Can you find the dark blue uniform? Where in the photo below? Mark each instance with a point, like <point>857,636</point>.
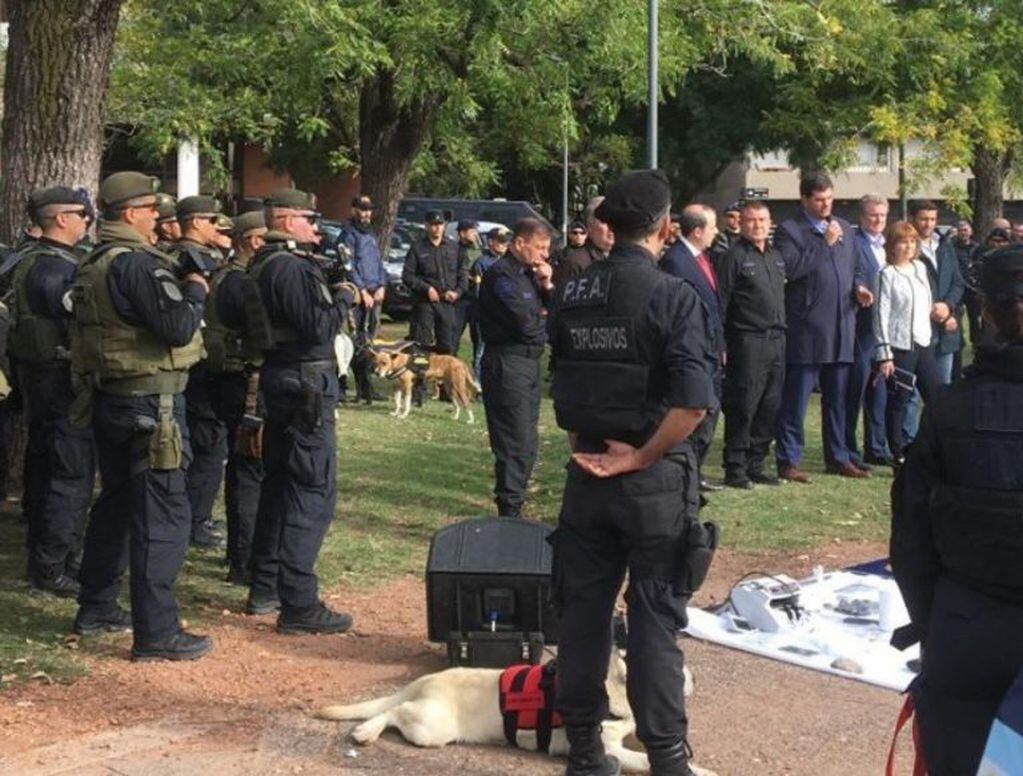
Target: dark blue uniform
<point>60,459</point>
<point>229,389</point>
<point>442,267</point>
<point>957,541</point>
<point>512,325</point>
<point>141,507</point>
<point>300,388</point>
<point>208,434</point>
<point>628,343</point>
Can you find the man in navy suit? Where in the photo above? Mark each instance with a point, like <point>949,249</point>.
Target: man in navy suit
<point>820,314</point>
<point>688,259</point>
<point>867,395</point>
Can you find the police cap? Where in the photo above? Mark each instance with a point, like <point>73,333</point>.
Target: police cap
<point>362,202</point>
<point>58,195</point>
<point>248,222</point>
<point>198,207</point>
<point>123,187</point>
<point>435,217</point>
<point>1001,274</point>
<point>735,207</point>
<point>501,234</point>
<point>223,223</point>
<point>292,199</point>
<point>465,223</point>
<point>635,201</point>
<point>577,226</point>
<point>166,207</point>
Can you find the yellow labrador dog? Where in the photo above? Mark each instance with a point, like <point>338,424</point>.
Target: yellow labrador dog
<point>461,705</point>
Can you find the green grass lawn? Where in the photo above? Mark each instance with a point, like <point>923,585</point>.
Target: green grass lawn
<point>401,480</point>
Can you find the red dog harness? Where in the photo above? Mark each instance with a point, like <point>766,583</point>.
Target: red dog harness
<point>527,702</point>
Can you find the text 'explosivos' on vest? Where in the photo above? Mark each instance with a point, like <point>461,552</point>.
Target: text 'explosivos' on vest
<point>113,355</point>
<point>601,384</point>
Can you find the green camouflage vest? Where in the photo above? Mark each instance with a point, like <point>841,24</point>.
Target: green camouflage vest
<point>109,353</point>
<point>36,339</point>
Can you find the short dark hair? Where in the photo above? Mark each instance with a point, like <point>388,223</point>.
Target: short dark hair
<point>920,205</point>
<point>528,228</point>
<point>693,217</point>
<point>813,182</point>
<point>754,204</point>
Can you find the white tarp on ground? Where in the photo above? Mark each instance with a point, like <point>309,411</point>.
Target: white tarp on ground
<point>824,634</point>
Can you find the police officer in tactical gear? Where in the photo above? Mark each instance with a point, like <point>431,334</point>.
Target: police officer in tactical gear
<point>957,503</point>
<point>168,230</point>
<point>236,334</point>
<point>198,250</point>
<point>60,463</point>
<point>631,381</point>
<point>437,276</point>
<point>511,313</point>
<point>134,337</point>
<point>300,387</point>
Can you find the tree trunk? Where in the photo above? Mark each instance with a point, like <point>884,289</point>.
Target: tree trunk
<point>58,65</point>
<point>390,138</point>
<point>989,171</point>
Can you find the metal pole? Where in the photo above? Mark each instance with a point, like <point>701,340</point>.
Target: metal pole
<point>652,92</point>
<point>564,191</point>
<point>903,193</point>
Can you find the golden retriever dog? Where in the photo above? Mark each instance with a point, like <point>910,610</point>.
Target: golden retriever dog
<point>461,705</point>
<point>442,370</point>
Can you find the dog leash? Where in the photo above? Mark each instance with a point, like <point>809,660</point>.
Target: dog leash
<point>907,713</point>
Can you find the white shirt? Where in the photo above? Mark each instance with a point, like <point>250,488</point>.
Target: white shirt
<point>929,248</point>
<point>692,248</point>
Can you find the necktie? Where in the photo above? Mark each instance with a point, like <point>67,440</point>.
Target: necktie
<point>707,270</point>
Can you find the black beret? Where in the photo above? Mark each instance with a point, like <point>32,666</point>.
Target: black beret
<point>467,224</point>
<point>735,207</point>
<point>362,203</point>
<point>435,217</point>
<point>292,199</point>
<point>57,195</point>
<point>1001,274</point>
<point>198,207</point>
<point>635,201</point>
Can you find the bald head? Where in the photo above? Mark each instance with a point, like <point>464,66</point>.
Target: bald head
<point>598,233</point>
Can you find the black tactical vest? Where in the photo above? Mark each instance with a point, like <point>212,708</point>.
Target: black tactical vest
<point>977,504</point>
<point>231,350</point>
<point>605,384</point>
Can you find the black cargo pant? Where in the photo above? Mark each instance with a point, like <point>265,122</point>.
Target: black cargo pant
<point>511,397</point>
<point>296,503</point>
<point>209,445</point>
<point>243,476</point>
<point>433,323</point>
<point>140,521</point>
<point>973,653</point>
<point>703,435</point>
<point>633,522</point>
<point>751,396</point>
<point>63,466</point>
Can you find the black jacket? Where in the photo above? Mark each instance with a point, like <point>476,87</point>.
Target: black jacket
<point>439,266</point>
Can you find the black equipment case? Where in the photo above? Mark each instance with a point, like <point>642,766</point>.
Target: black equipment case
<point>488,591</point>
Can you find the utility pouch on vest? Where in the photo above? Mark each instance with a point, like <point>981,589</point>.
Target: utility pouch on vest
<point>698,545</point>
<point>165,443</point>
<point>248,437</point>
<point>80,412</point>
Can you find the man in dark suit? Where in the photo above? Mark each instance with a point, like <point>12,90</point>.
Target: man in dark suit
<point>820,315</point>
<point>688,259</point>
<point>867,396</point>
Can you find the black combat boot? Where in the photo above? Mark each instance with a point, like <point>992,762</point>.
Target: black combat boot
<point>116,620</point>
<point>206,536</point>
<point>586,755</point>
<point>319,619</point>
<point>61,586</point>
<point>670,761</point>
<point>180,646</point>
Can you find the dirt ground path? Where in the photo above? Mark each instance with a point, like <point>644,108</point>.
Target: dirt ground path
<point>244,709</point>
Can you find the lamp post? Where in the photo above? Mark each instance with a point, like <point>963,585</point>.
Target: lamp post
<point>651,108</point>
